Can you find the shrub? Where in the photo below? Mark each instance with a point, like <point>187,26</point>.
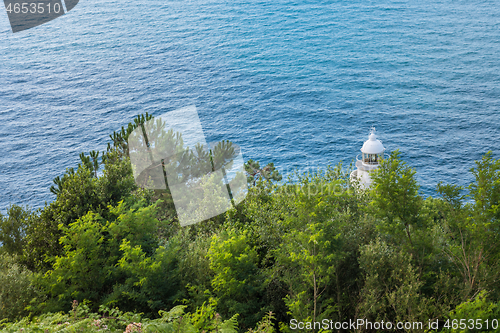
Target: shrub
<point>16,290</point>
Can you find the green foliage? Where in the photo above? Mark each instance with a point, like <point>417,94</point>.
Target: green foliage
<point>265,325</point>
<point>484,224</point>
<point>13,229</point>
<point>452,195</point>
<point>80,193</point>
<point>16,289</point>
<point>311,250</point>
<point>194,268</point>
<point>81,319</point>
<point>480,310</point>
<point>42,240</point>
<point>103,261</point>
<point>91,162</point>
<point>255,172</point>
<point>472,229</point>
<point>237,283</point>
<point>77,193</point>
<point>486,189</point>
<point>152,282</point>
<point>395,194</point>
<point>316,258</point>
<point>392,285</point>
<point>120,138</point>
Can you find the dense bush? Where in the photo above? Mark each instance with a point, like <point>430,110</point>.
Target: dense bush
<point>81,319</point>
<point>16,289</point>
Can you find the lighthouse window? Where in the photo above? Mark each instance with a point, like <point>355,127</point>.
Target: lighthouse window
<point>371,158</point>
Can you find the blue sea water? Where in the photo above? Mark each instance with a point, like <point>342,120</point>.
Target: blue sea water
<point>298,83</point>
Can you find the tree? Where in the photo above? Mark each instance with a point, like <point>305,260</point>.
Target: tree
<point>482,311</point>
<point>395,194</point>
<point>311,250</point>
<point>16,289</point>
<point>13,229</point>
<point>484,224</point>
<point>237,283</point>
<point>78,193</point>
<point>472,229</point>
<point>97,259</point>
<point>255,172</point>
<point>392,286</point>
<point>486,189</point>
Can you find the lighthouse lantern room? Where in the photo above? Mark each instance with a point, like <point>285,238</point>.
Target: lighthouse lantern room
<point>372,153</point>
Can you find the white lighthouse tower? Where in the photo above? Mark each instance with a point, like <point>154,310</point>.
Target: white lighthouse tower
<point>372,153</point>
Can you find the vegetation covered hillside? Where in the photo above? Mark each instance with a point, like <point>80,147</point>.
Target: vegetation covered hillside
<point>106,255</point>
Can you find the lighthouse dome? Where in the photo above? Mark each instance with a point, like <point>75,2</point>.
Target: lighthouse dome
<point>372,145</point>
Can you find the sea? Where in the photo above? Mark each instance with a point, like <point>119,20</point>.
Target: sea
<point>297,83</point>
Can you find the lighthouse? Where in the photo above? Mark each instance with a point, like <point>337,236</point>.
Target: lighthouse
<point>372,153</point>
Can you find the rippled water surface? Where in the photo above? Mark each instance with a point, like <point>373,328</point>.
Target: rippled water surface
<point>298,83</point>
